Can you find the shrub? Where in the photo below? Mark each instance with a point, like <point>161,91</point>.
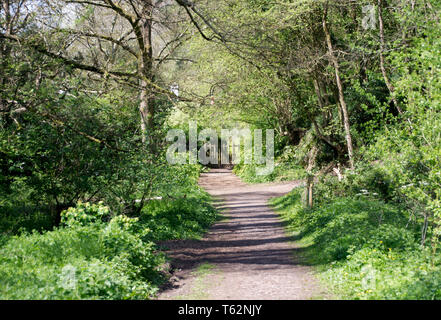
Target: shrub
<point>283,171</point>
<point>374,274</point>
<point>15,219</point>
<point>83,261</point>
<point>367,247</point>
<point>177,219</point>
<point>84,213</point>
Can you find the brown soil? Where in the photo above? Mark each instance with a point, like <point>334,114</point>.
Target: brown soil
<point>250,255</point>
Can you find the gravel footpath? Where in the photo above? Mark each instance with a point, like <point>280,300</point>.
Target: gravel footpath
<point>248,256</point>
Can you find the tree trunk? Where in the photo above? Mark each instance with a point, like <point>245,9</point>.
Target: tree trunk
<point>309,191</point>
<point>146,106</point>
<point>146,111</point>
<point>4,55</point>
<point>8,21</point>
<point>312,156</point>
<point>323,102</point>
<point>343,106</point>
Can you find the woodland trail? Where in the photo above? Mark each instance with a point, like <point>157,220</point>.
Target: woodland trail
<point>246,256</point>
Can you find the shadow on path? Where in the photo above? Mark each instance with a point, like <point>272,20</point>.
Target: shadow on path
<point>253,256</point>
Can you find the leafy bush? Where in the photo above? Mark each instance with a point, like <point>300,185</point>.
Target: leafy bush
<point>349,224</point>
<point>84,213</point>
<point>96,260</point>
<point>98,255</point>
<point>177,219</point>
<point>368,180</point>
<point>374,274</point>
<point>14,219</point>
<point>367,248</point>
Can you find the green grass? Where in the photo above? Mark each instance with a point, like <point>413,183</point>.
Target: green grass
<point>200,284</point>
<point>185,218</point>
<point>96,261</point>
<point>283,171</point>
<point>362,248</point>
<point>98,254</point>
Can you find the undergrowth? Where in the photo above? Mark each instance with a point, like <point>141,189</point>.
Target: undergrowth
<point>364,248</point>
<point>283,171</point>
<point>97,253</point>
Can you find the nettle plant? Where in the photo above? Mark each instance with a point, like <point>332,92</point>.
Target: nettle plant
<point>84,214</point>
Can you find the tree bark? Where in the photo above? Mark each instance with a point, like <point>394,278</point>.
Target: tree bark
<point>7,12</point>
<point>146,106</point>
<point>4,55</point>
<point>322,103</point>
<point>309,191</point>
<point>343,106</point>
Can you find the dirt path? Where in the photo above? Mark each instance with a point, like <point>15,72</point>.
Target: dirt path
<point>246,256</point>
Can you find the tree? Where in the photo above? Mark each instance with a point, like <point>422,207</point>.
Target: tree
<point>341,97</point>
<point>119,47</point>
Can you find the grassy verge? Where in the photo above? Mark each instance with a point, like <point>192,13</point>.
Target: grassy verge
<point>283,171</point>
<point>200,285</point>
<point>363,248</point>
<point>100,254</point>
